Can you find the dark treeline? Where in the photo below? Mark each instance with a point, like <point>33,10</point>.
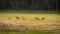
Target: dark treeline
<point>29,4</point>
<point>7,4</point>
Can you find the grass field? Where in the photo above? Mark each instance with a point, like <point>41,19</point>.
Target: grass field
<point>49,25</point>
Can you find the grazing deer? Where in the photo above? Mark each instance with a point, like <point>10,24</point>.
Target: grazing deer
<point>23,18</point>
<point>43,18</point>
<point>37,18</point>
<point>17,17</point>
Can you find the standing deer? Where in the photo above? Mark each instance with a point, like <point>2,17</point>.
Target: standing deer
<point>9,18</point>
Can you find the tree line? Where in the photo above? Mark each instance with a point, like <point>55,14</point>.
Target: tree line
<point>28,4</point>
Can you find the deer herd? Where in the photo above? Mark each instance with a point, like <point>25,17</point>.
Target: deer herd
<point>36,18</point>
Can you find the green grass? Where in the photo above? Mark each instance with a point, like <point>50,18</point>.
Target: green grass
<point>26,32</point>
<point>36,32</point>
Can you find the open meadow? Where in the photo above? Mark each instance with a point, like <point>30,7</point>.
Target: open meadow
<point>19,23</point>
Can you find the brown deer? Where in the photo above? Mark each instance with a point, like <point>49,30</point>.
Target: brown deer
<point>37,18</point>
<point>43,18</point>
<point>23,18</point>
<point>17,17</point>
<point>9,18</point>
